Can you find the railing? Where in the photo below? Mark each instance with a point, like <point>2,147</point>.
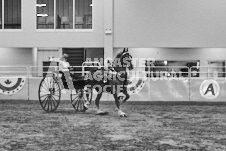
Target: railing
<point>188,88</point>
<point>14,71</point>
<point>37,71</point>
<point>168,72</point>
<point>148,71</point>
<point>208,72</point>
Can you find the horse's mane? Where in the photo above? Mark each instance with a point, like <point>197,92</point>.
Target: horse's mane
<point>119,53</point>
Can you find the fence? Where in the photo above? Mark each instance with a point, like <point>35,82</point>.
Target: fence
<point>159,83</point>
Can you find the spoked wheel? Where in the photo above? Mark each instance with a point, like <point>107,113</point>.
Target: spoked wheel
<point>49,94</point>
<point>81,99</point>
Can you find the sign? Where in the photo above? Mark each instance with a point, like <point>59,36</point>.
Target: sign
<point>209,89</point>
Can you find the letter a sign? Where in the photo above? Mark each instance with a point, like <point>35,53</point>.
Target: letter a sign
<point>209,89</point>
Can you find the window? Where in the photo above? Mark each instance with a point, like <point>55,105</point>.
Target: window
<point>0,14</point>
<point>45,14</point>
<point>11,14</point>
<point>216,69</point>
<point>64,14</point>
<point>83,14</point>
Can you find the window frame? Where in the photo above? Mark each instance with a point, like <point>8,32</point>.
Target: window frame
<point>66,30</point>
<point>3,19</point>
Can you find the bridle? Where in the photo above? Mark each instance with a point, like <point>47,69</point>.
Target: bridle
<point>122,56</point>
<point>112,67</point>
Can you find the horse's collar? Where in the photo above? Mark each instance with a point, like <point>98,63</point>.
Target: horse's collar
<point>113,72</point>
<point>116,72</point>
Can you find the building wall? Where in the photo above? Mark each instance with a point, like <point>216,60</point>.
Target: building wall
<point>43,55</point>
<point>95,53</point>
<point>141,24</point>
<point>30,37</point>
<point>147,24</point>
<point>183,54</point>
<point>16,57</point>
<point>169,23</point>
<point>178,54</point>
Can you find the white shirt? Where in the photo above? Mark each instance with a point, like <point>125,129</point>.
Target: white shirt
<point>64,65</point>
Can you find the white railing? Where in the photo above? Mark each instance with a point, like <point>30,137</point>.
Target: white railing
<point>208,72</point>
<point>152,71</point>
<point>168,71</point>
<point>14,71</point>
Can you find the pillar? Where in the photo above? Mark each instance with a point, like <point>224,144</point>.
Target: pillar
<point>108,28</point>
<point>35,61</point>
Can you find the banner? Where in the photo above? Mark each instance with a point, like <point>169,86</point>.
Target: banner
<point>10,86</point>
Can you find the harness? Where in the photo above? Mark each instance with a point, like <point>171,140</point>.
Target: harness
<point>112,71</point>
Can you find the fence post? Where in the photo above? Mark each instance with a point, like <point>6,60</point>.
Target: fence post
<point>28,81</point>
<point>149,82</point>
<point>189,83</point>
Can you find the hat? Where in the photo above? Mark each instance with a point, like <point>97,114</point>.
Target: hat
<point>65,55</point>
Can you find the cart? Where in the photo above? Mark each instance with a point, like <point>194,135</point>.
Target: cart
<point>50,90</point>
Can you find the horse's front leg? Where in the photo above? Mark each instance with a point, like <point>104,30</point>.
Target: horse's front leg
<point>120,113</point>
<point>97,102</point>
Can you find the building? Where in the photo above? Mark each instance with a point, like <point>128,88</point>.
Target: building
<point>179,30</point>
<point>173,32</point>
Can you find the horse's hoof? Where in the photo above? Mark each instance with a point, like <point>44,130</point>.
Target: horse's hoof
<point>102,113</point>
<point>124,115</point>
<point>85,108</point>
<point>86,105</point>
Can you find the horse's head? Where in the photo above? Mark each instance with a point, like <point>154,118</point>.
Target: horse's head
<point>124,59</point>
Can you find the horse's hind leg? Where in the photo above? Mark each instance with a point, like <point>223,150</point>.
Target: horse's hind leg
<point>121,114</point>
<point>126,94</point>
<point>97,100</point>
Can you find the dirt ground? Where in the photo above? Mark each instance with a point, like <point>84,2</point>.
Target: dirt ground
<point>149,126</point>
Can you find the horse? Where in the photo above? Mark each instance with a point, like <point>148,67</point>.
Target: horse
<point>114,80</point>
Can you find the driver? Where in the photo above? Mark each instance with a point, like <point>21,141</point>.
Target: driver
<point>64,69</point>
<point>64,65</point>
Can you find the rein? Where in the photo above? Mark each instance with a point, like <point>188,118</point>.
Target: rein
<point>112,68</point>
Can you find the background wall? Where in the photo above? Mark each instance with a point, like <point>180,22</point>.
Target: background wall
<point>169,23</point>
<point>137,24</point>
<point>95,53</point>
<point>16,57</point>
<point>203,55</point>
<point>44,54</point>
<point>30,37</point>
<point>180,54</point>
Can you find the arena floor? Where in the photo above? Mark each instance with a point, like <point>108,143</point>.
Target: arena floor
<point>149,126</point>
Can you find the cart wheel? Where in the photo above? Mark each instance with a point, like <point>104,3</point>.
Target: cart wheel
<point>49,94</point>
<point>79,98</point>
